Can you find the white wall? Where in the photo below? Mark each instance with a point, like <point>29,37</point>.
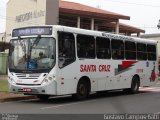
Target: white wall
<point>21,13</point>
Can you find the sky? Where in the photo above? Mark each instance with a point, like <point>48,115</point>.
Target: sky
<point>144,14</point>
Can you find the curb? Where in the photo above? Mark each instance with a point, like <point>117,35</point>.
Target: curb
<point>16,97</point>
<point>3,77</point>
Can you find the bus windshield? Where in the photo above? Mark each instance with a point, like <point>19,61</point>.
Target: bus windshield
<point>32,53</point>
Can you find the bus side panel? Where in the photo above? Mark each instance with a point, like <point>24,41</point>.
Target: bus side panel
<point>150,75</point>
<point>67,79</point>
<point>106,76</point>
<point>88,68</point>
<point>118,78</point>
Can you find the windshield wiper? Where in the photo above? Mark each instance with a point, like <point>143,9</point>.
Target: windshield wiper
<point>21,44</point>
<point>36,41</point>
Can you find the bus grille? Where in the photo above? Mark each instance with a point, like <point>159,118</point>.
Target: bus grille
<point>27,76</point>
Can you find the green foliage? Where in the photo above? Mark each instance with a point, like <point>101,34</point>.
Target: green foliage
<point>3,86</point>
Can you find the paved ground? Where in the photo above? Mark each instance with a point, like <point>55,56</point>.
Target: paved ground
<point>147,101</point>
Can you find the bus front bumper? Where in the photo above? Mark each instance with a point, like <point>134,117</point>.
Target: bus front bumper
<point>48,89</point>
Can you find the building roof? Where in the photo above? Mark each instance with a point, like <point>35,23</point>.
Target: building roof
<point>131,28</point>
<point>77,8</point>
<point>124,27</point>
<point>87,11</point>
<point>104,17</point>
<point>155,35</point>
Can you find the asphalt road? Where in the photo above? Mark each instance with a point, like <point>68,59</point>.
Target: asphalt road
<point>146,101</point>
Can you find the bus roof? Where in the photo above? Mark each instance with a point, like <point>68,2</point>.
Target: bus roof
<point>103,34</point>
<point>94,33</point>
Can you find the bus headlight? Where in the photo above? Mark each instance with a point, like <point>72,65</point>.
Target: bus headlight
<point>50,78</point>
<point>12,81</point>
<point>47,80</point>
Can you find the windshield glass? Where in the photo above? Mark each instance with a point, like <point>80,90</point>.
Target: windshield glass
<point>32,53</point>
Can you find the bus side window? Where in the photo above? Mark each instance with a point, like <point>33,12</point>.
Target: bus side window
<point>130,50</point>
<point>117,49</point>
<point>85,46</point>
<point>151,51</point>
<point>141,51</point>
<point>103,48</point>
<point>66,49</point>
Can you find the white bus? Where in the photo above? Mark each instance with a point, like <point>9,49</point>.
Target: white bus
<point>59,60</point>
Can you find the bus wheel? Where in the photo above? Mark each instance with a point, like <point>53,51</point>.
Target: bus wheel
<point>43,97</point>
<point>82,90</point>
<point>135,85</point>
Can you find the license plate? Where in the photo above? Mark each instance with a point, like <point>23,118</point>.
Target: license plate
<point>27,89</point>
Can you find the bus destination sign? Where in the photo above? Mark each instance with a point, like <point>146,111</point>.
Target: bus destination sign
<point>32,31</point>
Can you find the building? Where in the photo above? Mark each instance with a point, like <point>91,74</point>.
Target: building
<point>22,13</point>
<point>41,12</point>
<point>49,12</point>
<point>82,16</point>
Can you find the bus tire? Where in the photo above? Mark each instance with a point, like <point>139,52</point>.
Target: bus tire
<point>43,97</point>
<point>82,90</point>
<point>135,85</point>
